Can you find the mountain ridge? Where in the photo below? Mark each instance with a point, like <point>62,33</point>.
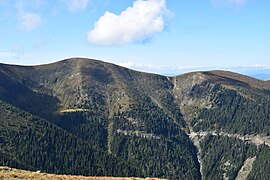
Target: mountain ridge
<point>120,115</point>
<point>211,73</point>
<point>76,59</point>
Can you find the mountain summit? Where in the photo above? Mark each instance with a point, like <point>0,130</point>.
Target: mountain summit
<point>87,117</point>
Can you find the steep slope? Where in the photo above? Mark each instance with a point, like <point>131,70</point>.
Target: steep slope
<point>110,109</point>
<point>225,101</point>
<point>227,106</point>
<point>128,123</point>
<point>33,143</point>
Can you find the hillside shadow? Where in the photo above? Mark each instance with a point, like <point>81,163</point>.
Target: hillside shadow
<point>22,97</point>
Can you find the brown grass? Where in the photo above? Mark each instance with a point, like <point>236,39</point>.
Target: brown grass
<point>7,173</point>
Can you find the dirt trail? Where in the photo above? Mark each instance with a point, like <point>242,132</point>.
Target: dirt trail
<point>255,139</point>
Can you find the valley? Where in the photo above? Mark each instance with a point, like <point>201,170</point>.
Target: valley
<point>87,117</point>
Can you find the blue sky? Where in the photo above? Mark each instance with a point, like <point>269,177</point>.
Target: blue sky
<point>162,36</point>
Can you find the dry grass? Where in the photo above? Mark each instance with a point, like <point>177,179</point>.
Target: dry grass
<point>7,173</point>
<point>235,79</point>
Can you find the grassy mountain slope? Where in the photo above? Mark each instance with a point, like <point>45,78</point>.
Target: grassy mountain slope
<point>104,119</point>
<point>229,104</point>
<point>224,101</point>
<point>106,108</point>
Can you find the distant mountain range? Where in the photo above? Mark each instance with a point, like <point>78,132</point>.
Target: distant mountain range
<point>88,117</point>
<point>261,76</point>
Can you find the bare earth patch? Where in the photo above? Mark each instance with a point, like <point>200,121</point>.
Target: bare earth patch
<point>246,168</point>
<point>74,110</point>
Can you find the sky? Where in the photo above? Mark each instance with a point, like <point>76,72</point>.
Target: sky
<point>161,36</point>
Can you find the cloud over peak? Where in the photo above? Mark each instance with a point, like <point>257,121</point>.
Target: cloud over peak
<point>135,24</point>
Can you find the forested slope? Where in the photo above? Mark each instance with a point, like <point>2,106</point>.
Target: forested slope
<point>81,116</point>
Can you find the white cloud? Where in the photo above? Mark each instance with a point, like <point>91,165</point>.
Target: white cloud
<point>128,64</point>
<point>165,70</point>
<point>75,5</point>
<point>135,24</point>
<point>176,70</point>
<point>29,21</point>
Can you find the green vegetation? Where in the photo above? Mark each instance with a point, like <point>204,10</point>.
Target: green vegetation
<point>71,151</point>
<point>241,111</point>
<point>87,117</point>
<point>146,134</point>
<point>223,156</point>
<point>261,165</point>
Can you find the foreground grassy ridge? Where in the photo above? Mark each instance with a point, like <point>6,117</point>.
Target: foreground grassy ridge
<point>11,173</point>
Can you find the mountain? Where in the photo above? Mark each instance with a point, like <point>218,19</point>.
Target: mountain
<point>87,117</point>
